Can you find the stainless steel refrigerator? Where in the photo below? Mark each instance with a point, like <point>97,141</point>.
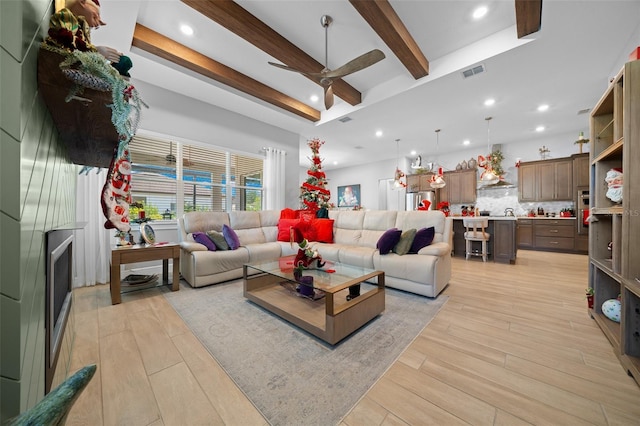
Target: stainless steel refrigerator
<point>414,199</point>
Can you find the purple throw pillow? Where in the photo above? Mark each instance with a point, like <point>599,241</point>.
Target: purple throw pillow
<point>388,240</point>
<point>202,238</point>
<point>423,238</point>
<point>231,237</point>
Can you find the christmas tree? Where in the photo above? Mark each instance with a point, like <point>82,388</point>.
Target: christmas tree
<point>313,194</point>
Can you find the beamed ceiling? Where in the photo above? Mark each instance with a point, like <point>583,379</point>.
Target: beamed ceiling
<point>532,52</point>
<point>379,14</point>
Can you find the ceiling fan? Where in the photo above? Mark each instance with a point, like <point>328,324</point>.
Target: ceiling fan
<point>326,77</point>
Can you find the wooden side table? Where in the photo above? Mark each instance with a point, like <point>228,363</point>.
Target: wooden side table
<point>144,253</point>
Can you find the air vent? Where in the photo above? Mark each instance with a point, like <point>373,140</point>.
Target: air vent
<point>584,111</point>
<point>344,119</point>
<point>358,147</point>
<point>470,72</point>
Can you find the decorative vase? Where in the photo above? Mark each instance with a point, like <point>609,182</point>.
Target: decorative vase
<point>305,286</point>
<point>354,291</point>
<point>590,301</point>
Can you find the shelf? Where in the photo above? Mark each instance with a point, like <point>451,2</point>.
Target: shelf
<point>614,210</point>
<point>614,151</point>
<point>614,249</point>
<point>607,131</point>
<point>606,265</point>
<point>610,329</point>
<point>84,123</point>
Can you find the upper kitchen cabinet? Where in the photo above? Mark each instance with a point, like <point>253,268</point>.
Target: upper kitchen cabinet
<point>546,180</point>
<point>461,187</point>
<point>418,183</point>
<point>581,170</point>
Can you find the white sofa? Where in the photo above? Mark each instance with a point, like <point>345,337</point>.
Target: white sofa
<point>355,236</point>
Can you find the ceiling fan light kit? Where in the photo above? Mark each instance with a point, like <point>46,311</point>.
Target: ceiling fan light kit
<point>326,77</point>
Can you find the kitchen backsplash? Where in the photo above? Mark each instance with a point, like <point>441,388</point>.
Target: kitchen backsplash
<point>498,199</point>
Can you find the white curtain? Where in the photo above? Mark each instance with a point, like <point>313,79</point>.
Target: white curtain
<point>92,245</point>
<point>274,183</point>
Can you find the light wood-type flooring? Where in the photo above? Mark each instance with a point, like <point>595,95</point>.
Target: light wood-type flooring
<point>514,345</point>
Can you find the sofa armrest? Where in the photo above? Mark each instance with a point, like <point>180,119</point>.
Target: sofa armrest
<point>436,249</point>
<point>192,246</point>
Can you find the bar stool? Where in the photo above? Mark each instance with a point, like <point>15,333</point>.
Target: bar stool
<point>475,231</point>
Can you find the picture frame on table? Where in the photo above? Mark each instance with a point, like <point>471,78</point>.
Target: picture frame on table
<point>147,233</point>
<point>349,196</point>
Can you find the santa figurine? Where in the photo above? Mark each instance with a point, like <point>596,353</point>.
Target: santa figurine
<point>614,182</point>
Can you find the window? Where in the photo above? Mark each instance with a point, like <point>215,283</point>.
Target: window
<point>207,179</point>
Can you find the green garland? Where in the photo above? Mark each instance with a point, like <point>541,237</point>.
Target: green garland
<point>495,160</point>
<point>127,104</point>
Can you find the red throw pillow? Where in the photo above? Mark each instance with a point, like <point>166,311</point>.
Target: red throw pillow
<point>284,227</point>
<point>306,215</point>
<point>324,230</point>
<point>288,214</point>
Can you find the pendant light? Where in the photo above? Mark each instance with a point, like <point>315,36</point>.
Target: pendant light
<point>437,180</point>
<point>488,177</point>
<point>398,175</point>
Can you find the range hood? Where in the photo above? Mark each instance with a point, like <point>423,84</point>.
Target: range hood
<point>499,185</point>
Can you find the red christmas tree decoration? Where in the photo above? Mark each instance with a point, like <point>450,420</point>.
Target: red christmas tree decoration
<point>314,194</point>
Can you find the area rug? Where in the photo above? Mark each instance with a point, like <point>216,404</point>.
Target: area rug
<point>292,377</point>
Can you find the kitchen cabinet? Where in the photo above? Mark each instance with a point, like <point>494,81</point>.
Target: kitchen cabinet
<point>554,234</point>
<point>421,182</point>
<point>525,233</point>
<point>546,180</point>
<point>502,245</point>
<point>614,246</point>
<point>581,170</point>
<point>547,234</point>
<point>461,187</point>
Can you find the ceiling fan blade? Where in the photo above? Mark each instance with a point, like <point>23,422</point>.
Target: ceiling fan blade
<point>357,64</point>
<point>284,67</point>
<point>328,97</point>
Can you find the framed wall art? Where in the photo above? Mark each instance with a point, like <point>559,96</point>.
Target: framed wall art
<point>349,196</point>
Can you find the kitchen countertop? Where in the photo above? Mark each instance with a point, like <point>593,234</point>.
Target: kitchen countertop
<point>515,217</point>
<point>545,217</point>
<point>488,217</point>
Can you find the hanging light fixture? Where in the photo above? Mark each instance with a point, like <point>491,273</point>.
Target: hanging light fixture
<point>398,183</point>
<point>437,180</point>
<point>489,176</point>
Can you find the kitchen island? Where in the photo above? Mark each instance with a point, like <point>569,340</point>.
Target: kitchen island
<point>502,246</point>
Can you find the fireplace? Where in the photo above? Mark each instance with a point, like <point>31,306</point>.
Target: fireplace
<point>59,280</point>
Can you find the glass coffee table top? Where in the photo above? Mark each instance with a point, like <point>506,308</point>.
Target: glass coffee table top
<point>331,275</point>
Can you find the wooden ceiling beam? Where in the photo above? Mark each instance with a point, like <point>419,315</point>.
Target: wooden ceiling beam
<point>384,20</point>
<point>159,45</point>
<point>528,17</point>
<point>236,19</point>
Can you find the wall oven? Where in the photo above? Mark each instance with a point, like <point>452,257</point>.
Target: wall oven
<point>582,213</point>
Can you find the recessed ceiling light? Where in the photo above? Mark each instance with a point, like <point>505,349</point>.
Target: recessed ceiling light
<point>480,12</point>
<point>335,163</point>
<point>489,102</point>
<point>540,129</point>
<point>413,152</point>
<point>543,107</point>
<point>466,142</point>
<point>378,133</point>
<point>314,98</point>
<point>186,30</point>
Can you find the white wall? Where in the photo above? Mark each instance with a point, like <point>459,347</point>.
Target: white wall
<point>369,175</point>
<point>182,118</point>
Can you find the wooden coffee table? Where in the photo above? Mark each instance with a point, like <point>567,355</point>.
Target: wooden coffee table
<point>144,253</point>
<point>331,318</point>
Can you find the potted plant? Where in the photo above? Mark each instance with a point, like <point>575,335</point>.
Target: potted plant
<point>589,294</point>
